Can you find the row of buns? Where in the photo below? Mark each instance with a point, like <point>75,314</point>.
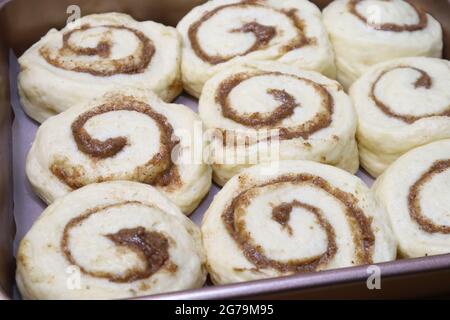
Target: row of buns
<point>122,239</point>
<point>117,162</point>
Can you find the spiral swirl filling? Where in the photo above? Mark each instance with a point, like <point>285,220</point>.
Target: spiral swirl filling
<point>151,247</point>
<point>362,234</point>
<point>415,210</point>
<point>103,66</point>
<point>389,26</point>
<point>263,34</point>
<point>158,170</point>
<point>423,81</point>
<point>272,120</point>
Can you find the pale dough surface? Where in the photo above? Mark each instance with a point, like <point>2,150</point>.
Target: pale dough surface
<point>383,137</point>
<point>55,143</point>
<point>217,36</point>
<point>43,271</point>
<point>393,190</point>
<point>358,45</point>
<point>333,144</point>
<point>46,89</point>
<point>307,239</point>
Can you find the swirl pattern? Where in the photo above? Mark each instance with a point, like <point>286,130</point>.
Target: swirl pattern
<point>123,135</point>
<point>299,111</point>
<point>367,32</point>
<point>423,81</point>
<point>283,111</point>
<point>263,34</point>
<point>224,33</point>
<point>362,232</point>
<point>111,240</point>
<point>401,104</point>
<point>389,26</point>
<point>152,247</point>
<point>314,223</point>
<point>152,170</point>
<point>137,62</point>
<point>94,54</point>
<point>415,210</point>
<point>414,190</point>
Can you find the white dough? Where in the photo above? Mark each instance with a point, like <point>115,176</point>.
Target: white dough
<point>49,88</point>
<point>401,104</point>
<point>312,198</point>
<point>415,192</point>
<point>359,44</point>
<point>323,121</point>
<point>57,162</point>
<point>79,225</point>
<point>230,29</point>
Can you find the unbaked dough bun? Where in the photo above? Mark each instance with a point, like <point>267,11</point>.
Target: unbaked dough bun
<point>415,191</point>
<point>401,104</point>
<point>222,33</point>
<point>94,53</point>
<point>123,135</point>
<point>310,116</point>
<point>291,217</point>
<point>366,32</point>
<point>110,240</point>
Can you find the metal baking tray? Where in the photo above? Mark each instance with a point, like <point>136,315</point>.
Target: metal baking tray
<point>23,22</point>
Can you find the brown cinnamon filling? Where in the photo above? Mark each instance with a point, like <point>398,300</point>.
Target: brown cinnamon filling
<point>424,81</point>
<point>281,214</point>
<point>263,34</point>
<point>360,225</point>
<point>158,170</point>
<point>101,67</point>
<point>169,179</point>
<point>260,120</point>
<point>151,247</point>
<point>389,26</point>
<point>415,210</point>
<point>300,39</point>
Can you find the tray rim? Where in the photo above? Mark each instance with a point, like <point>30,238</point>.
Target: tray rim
<point>402,267</point>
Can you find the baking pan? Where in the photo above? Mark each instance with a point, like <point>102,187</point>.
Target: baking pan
<point>23,22</point>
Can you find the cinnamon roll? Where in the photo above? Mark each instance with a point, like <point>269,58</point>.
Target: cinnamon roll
<point>367,32</point>
<point>92,55</point>
<point>110,240</point>
<point>122,135</point>
<point>267,111</point>
<point>401,104</point>
<point>222,33</point>
<point>415,192</point>
<point>299,217</point>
